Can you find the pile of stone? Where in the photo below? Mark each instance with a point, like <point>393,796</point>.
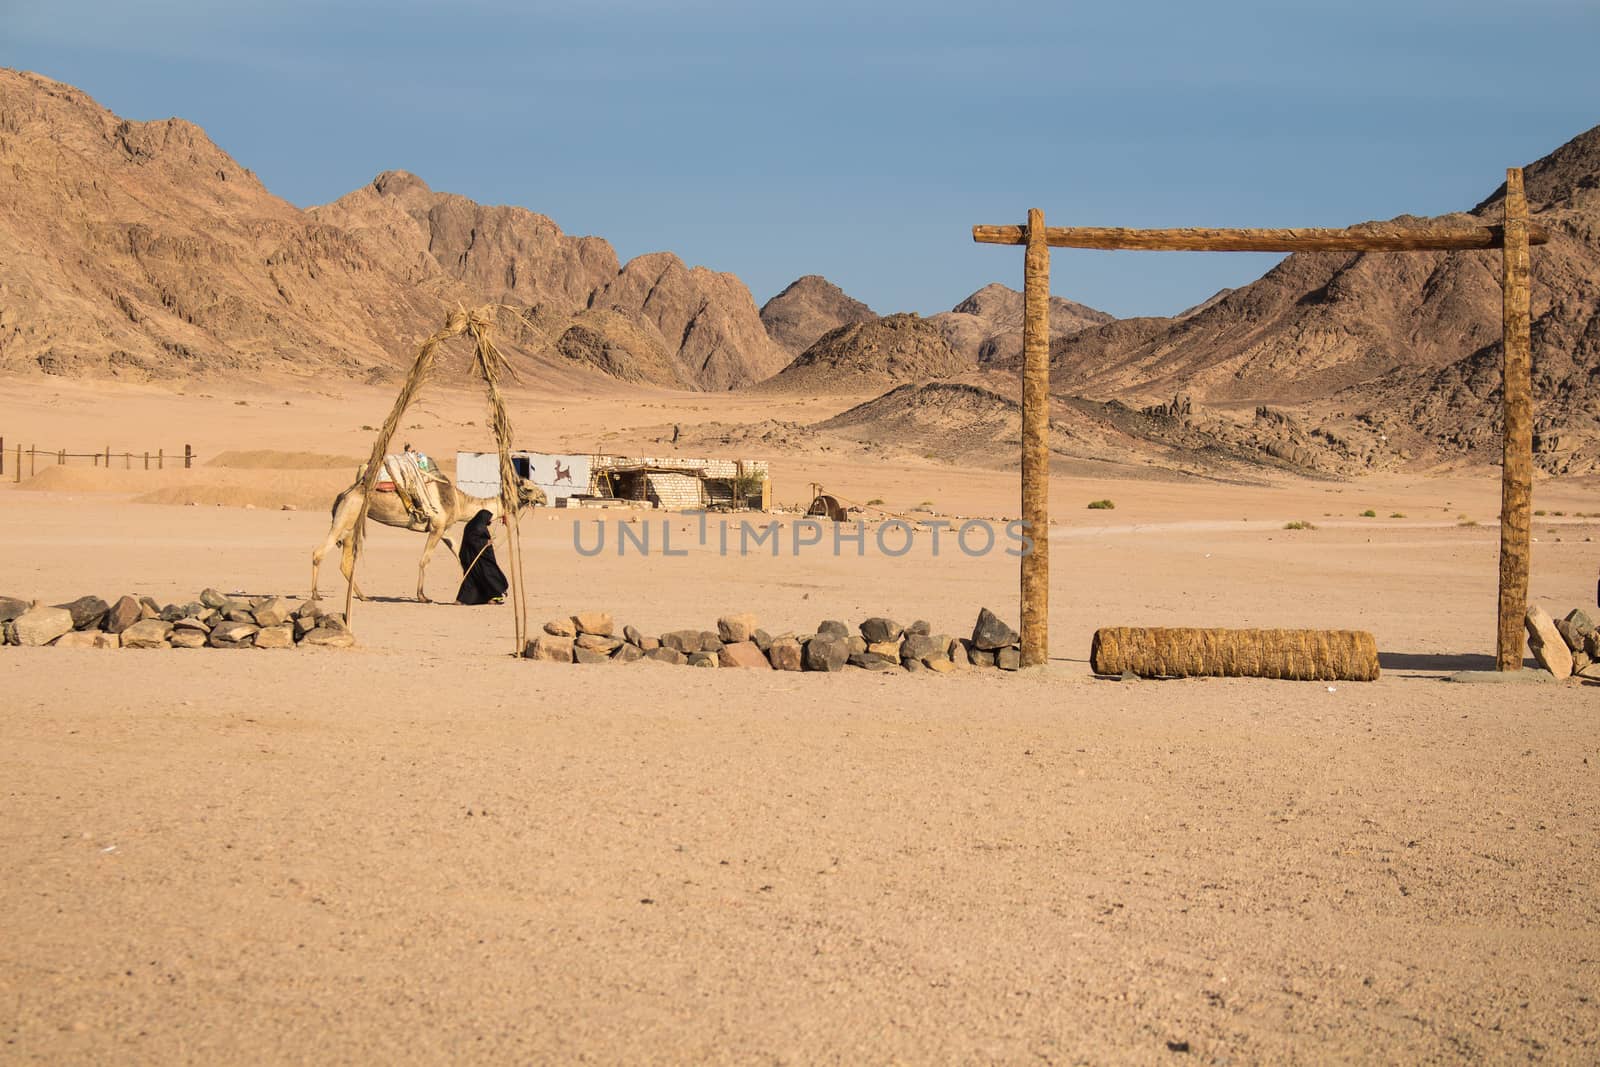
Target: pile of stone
<point>1564,647</point>
<point>880,645</point>
<point>215,620</point>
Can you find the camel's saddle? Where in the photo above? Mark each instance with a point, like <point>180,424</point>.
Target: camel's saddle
<point>413,477</point>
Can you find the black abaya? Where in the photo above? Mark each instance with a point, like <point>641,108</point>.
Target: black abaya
<point>483,580</point>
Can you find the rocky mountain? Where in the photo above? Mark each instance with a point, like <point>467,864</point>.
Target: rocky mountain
<point>1391,357</point>
<point>987,326</point>
<point>809,308</point>
<point>866,356</point>
<point>141,249</point>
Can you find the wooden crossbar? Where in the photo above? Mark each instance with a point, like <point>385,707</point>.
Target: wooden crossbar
<point>1354,239</point>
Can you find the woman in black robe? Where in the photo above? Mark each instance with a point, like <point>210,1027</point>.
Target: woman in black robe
<point>482,580</point>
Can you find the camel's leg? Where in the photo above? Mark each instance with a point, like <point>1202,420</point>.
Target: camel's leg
<point>435,535</point>
<point>338,530</point>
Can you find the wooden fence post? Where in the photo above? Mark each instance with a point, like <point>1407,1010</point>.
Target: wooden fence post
<point>161,459</point>
<point>147,461</point>
<point>2,457</point>
<point>188,457</point>
<point>1516,471</point>
<point>33,459</point>
<point>1035,443</point>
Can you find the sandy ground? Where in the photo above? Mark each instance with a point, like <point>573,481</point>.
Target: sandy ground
<point>422,849</point>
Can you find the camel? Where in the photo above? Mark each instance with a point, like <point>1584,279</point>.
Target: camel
<point>387,509</point>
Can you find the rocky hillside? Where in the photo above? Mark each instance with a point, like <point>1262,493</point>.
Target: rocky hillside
<point>1401,348</point>
<point>809,308</point>
<point>987,326</point>
<point>141,249</point>
<point>869,356</point>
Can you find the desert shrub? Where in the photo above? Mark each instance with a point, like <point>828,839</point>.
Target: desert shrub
<point>1101,505</point>
<point>876,501</point>
<point>1369,514</point>
<point>1300,524</point>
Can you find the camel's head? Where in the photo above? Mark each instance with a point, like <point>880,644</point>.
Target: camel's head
<point>530,496</point>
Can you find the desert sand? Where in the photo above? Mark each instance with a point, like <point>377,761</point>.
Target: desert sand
<point>423,849</point>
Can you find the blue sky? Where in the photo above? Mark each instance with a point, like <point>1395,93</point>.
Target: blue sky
<point>862,140</point>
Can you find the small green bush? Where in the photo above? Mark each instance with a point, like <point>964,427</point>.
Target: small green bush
<point>1397,515</point>
<point>1369,514</point>
<point>1299,525</point>
<point>1101,505</point>
<point>875,502</point>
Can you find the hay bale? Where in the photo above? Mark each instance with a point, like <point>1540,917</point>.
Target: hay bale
<point>1186,652</point>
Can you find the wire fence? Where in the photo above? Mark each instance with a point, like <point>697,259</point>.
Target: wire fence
<point>33,457</point>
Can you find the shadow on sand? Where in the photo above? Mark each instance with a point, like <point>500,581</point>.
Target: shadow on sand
<point>1440,662</point>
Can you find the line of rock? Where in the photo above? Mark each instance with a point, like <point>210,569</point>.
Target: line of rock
<point>1564,647</point>
<point>881,645</point>
<point>214,620</point>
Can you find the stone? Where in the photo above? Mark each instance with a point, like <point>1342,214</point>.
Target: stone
<point>279,636</point>
<point>827,652</point>
<point>627,652</point>
<point>921,626</point>
<point>1548,646</point>
<point>174,612</point>
<point>11,607</point>
<point>233,635</point>
<point>590,655</point>
<point>599,623</point>
<point>832,628</point>
<point>785,654</point>
<point>150,603</point>
<point>913,666</point>
<point>39,626</point>
<point>922,647</point>
<point>1580,660</point>
<point>1573,639</point>
<point>979,657</point>
<point>186,639</point>
<point>762,639</point>
<point>990,633</point>
<point>275,612</point>
<point>560,628</point>
<point>649,643</point>
<point>87,612</point>
<point>192,624</point>
<point>1008,659</point>
<point>103,640</point>
<point>303,626</point>
<point>149,610</point>
<point>148,633</point>
<point>871,662</point>
<point>1591,645</point>
<point>1580,621</point>
<point>330,637</point>
<point>665,654</point>
<point>702,659</point>
<point>685,641</point>
<point>311,609</point>
<point>332,620</point>
<point>743,654</point>
<point>941,665</point>
<point>957,651</point>
<point>213,598</point>
<point>596,643</point>
<point>887,649</point>
<point>632,635</point>
<point>76,639</point>
<point>877,630</point>
<point>857,645</point>
<point>552,648</point>
<point>1591,671</point>
<point>240,615</point>
<point>732,629</point>
<point>123,614</point>
<point>710,642</point>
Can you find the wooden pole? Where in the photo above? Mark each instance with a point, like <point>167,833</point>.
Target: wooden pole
<point>188,457</point>
<point>18,464</point>
<point>1035,443</point>
<point>1516,471</point>
<point>1355,239</point>
<point>147,461</point>
<point>33,459</point>
<point>2,457</point>
<point>161,459</point>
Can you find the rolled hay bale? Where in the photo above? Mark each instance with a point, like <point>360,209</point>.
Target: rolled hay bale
<point>1188,652</point>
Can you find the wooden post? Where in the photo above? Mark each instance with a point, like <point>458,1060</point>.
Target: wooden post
<point>161,459</point>
<point>1516,471</point>
<point>188,457</point>
<point>2,457</point>
<point>108,457</point>
<point>61,458</point>
<point>1035,443</point>
<point>18,464</point>
<point>147,461</point>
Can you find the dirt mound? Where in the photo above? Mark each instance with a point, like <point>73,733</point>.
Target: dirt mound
<point>267,459</point>
<point>809,308</point>
<point>865,356</point>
